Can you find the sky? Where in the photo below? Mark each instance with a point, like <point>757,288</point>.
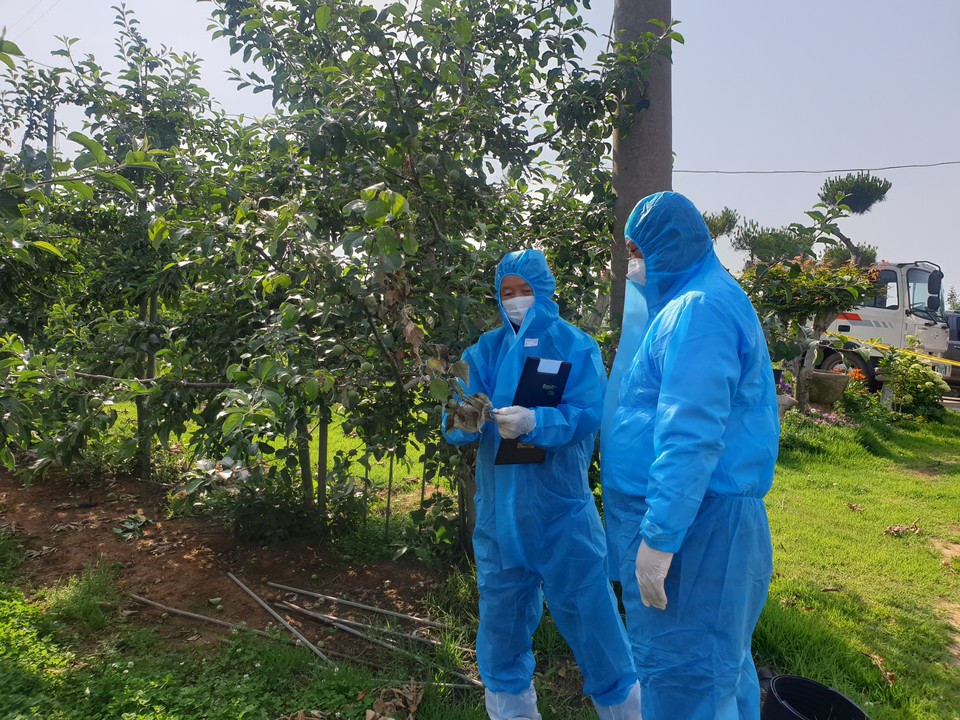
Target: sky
<point>760,86</point>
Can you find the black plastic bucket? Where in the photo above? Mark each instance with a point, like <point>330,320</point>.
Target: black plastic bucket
<point>790,697</point>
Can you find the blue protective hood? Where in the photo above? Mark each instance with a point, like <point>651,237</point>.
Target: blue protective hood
<point>674,240</point>
<point>532,266</point>
<point>688,452</point>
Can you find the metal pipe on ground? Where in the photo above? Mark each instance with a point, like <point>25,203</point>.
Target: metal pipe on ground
<point>375,641</point>
<point>374,628</point>
<point>311,593</point>
<point>299,635</point>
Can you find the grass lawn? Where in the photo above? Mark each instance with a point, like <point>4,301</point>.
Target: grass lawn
<point>864,521</point>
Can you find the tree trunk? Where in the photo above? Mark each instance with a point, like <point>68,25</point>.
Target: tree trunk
<point>303,454</point>
<point>386,528</point>
<point>809,360</point>
<point>148,313</point>
<point>466,489</point>
<point>803,378</point>
<point>323,434</point>
<point>643,155</point>
<point>855,256</point>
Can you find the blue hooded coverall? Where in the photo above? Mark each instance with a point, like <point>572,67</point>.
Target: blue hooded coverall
<point>688,450</point>
<point>537,524</point>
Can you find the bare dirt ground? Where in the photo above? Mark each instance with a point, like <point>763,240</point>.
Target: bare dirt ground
<point>183,562</point>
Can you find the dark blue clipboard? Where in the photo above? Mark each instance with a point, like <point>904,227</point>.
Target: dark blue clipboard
<point>541,385</point>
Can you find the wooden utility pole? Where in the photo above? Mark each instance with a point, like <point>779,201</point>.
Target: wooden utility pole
<point>642,156</point>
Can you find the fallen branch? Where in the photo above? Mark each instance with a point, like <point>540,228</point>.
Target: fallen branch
<point>381,643</point>
<point>281,620</point>
<point>360,605</point>
<point>194,616</point>
<point>355,624</point>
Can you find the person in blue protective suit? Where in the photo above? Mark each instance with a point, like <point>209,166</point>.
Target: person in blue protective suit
<point>688,447</point>
<point>538,533</point>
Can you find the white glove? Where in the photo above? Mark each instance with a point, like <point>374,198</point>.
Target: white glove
<point>514,421</point>
<point>652,568</point>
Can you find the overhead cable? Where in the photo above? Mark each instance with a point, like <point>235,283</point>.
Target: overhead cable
<point>40,17</point>
<point>20,19</point>
<point>816,172</point>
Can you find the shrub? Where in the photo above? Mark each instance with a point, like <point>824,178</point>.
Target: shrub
<point>434,535</point>
<point>271,512</point>
<point>811,417</point>
<point>914,386</point>
<point>861,404</point>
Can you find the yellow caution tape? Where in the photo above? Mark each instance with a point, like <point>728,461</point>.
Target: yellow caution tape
<point>931,358</point>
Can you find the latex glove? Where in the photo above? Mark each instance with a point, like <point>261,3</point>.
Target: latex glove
<point>652,568</point>
<point>514,421</point>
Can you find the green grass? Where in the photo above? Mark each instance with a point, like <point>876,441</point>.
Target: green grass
<point>11,557</point>
<point>67,654</point>
<point>86,602</point>
<point>59,660</point>
<point>853,605</point>
<point>32,662</point>
<point>407,471</point>
<point>135,674</point>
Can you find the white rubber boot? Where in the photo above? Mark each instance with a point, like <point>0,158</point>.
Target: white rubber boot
<point>629,709</point>
<point>507,706</point>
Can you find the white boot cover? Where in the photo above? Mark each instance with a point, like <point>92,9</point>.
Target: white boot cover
<point>507,706</point>
<point>629,709</point>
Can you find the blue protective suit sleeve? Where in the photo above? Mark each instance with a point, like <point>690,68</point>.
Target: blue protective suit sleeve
<point>457,436</point>
<point>477,384</point>
<point>578,416</point>
<point>697,356</point>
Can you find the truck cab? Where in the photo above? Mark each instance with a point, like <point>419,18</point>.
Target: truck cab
<point>907,302</point>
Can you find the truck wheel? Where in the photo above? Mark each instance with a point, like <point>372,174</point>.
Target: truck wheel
<point>853,360</point>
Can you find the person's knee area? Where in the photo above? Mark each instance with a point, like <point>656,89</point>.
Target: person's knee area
<point>506,684</point>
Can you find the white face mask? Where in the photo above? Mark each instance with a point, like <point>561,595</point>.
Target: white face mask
<point>637,271</point>
<point>516,308</point>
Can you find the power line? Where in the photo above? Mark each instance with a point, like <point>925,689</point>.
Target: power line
<point>29,10</point>
<point>41,16</point>
<point>817,172</point>
<point>701,172</point>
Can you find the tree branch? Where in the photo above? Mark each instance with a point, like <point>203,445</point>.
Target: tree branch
<point>149,381</point>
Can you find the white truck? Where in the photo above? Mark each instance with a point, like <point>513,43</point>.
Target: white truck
<point>908,301</point>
